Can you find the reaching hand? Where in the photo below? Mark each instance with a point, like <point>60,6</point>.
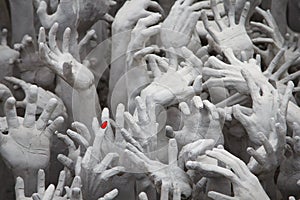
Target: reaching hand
<point>8,56</point>
<point>63,63</point>
<point>245,185</point>
<point>27,144</point>
<point>32,68</point>
<point>233,36</point>
<point>178,27</point>
<point>169,179</point>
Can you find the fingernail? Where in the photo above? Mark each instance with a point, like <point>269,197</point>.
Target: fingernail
<point>104,125</point>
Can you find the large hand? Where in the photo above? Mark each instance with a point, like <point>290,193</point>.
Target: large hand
<point>167,178</point>
<point>8,56</point>
<point>265,100</point>
<point>63,63</point>
<point>32,68</point>
<point>178,27</point>
<point>233,36</point>
<point>27,144</point>
<point>245,185</point>
<point>163,89</point>
<point>201,121</point>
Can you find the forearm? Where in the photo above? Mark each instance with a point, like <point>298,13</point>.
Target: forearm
<point>85,105</point>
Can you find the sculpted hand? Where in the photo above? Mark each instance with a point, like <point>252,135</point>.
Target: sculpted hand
<point>201,121</point>
<point>163,89</point>
<point>28,140</point>
<point>8,56</point>
<point>168,179</point>
<point>32,68</point>
<point>232,36</point>
<point>63,63</point>
<point>245,185</point>
<point>178,27</point>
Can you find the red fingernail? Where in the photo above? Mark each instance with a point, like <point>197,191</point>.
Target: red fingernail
<point>104,125</point>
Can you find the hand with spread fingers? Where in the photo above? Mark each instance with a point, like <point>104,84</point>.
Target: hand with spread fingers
<point>233,35</point>
<point>26,147</point>
<point>8,56</point>
<point>63,63</point>
<point>201,121</point>
<point>245,185</point>
<point>178,27</point>
<point>142,32</point>
<point>266,100</point>
<point>163,89</point>
<point>32,68</point>
<point>221,74</point>
<point>168,179</point>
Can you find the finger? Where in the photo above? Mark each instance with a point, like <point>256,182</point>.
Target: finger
<point>49,192</point>
<point>164,191</point>
<point>143,196</point>
<point>36,196</point>
<point>231,57</point>
<point>267,145</point>
<point>4,37</point>
<point>78,138</point>
<point>66,40</point>
<point>197,101</point>
<point>42,35</point>
<point>60,185</point>
<point>211,109</point>
<point>172,152</point>
<point>89,35</point>
<point>231,12</point>
<point>25,86</point>
<point>132,124</point>
<point>259,158</point>
<point>149,20</point>
<point>146,51</point>
<point>106,125</point>
<point>184,108</point>
<point>41,182</point>
<point>52,38</point>
<point>30,111</point>
<point>141,110</point>
<point>264,28</point>
<point>137,152</point>
<point>241,117</point>
<point>275,61</point>
<point>217,16</point>
<point>107,161</point>
<point>219,196</point>
<point>245,14</point>
<point>46,114</point>
<point>153,66</point>
<point>54,126</point>
<point>213,169</point>
<point>110,195</point>
<point>262,40</point>
<point>119,122</point>
<point>19,189</point>
<point>286,98</point>
<point>107,174</point>
<point>65,161</point>
<point>128,138</point>
<point>82,130</point>
<point>11,113</point>
<point>44,53</point>
<point>208,25</point>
